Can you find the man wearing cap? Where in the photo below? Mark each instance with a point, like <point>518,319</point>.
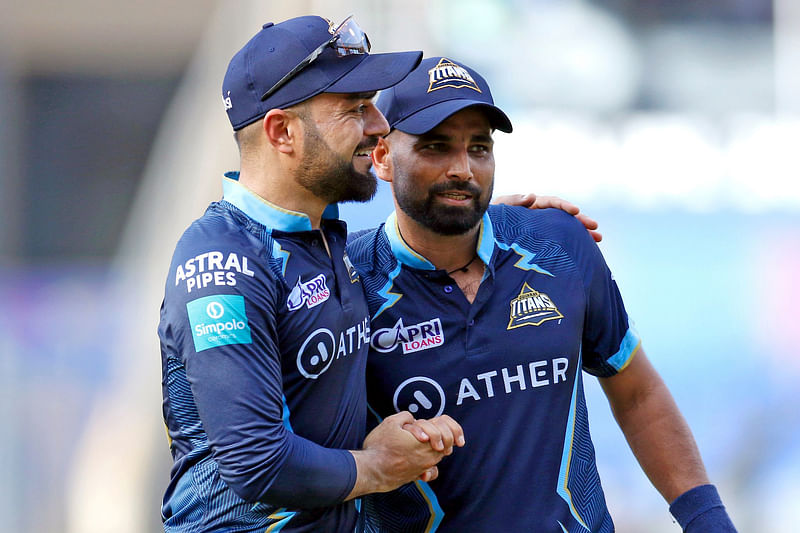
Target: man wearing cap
<point>489,314</point>
<point>264,327</point>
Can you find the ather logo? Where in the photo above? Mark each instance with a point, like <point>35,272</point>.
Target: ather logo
<point>319,350</point>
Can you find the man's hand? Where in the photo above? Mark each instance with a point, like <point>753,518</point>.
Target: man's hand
<point>441,432</point>
<point>393,456</point>
<point>531,201</point>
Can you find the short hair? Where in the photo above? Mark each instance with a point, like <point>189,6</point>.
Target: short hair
<point>247,138</point>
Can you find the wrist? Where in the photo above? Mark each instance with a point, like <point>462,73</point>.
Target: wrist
<point>701,509</point>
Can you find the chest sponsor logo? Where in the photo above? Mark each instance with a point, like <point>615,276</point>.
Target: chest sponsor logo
<point>309,293</point>
<point>532,308</point>
<point>323,346</point>
<point>423,397</point>
<point>414,338</point>
<point>218,320</point>
<point>212,268</point>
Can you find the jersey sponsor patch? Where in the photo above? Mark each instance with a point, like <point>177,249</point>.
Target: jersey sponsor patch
<point>218,320</point>
<point>309,293</point>
<point>532,308</point>
<point>322,346</point>
<point>422,336</point>
<point>448,74</point>
<point>211,268</point>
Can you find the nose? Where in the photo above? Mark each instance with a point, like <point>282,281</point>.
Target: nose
<point>458,166</point>
<point>375,123</point>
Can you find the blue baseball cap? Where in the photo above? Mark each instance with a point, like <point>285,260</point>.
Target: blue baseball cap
<point>277,49</point>
<point>436,89</point>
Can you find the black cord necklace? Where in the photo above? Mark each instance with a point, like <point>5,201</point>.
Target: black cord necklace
<point>464,268</point>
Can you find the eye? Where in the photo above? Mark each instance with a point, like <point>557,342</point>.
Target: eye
<point>435,146</point>
<point>480,148</point>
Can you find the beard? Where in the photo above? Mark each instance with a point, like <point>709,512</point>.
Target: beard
<point>330,176</point>
<point>423,207</point>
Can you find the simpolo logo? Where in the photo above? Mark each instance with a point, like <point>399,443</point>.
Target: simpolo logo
<point>218,320</point>
<point>414,338</point>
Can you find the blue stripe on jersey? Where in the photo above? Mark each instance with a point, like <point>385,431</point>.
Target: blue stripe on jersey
<point>372,410</point>
<point>486,239</point>
<point>401,250</point>
<point>283,517</point>
<point>563,528</point>
<point>526,258</point>
<point>386,293</point>
<point>286,415</point>
<point>566,455</point>
<point>630,343</point>
<point>264,212</point>
<point>280,254</point>
<point>437,514</point>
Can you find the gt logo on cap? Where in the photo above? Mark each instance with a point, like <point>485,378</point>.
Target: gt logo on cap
<point>448,74</point>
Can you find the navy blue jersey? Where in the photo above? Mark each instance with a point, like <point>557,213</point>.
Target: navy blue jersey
<point>507,367</point>
<point>264,341</point>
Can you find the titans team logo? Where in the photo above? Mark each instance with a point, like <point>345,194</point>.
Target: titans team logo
<point>448,74</point>
<point>532,308</point>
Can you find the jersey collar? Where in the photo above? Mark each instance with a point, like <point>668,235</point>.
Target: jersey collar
<point>264,212</point>
<point>408,256</point>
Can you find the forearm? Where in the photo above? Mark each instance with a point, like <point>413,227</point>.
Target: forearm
<point>662,442</point>
<point>656,431</point>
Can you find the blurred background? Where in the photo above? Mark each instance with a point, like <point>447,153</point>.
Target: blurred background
<point>675,124</point>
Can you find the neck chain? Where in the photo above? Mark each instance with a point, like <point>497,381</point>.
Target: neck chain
<point>464,268</point>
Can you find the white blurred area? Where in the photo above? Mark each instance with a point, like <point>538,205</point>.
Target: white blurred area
<point>649,114</point>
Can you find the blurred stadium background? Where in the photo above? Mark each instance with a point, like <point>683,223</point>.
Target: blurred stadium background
<point>675,124</point>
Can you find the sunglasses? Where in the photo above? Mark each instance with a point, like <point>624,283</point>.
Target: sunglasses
<point>348,39</point>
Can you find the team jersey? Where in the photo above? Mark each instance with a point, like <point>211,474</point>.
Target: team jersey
<point>506,367</point>
<point>264,341</point>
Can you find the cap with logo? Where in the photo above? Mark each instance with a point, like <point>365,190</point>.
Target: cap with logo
<point>292,61</point>
<point>436,89</point>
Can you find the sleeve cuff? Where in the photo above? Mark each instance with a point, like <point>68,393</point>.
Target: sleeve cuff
<point>701,509</point>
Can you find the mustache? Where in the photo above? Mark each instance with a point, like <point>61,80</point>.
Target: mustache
<point>456,185</point>
<point>370,143</point>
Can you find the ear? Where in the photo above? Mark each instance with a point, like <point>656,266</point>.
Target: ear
<point>382,160</point>
<point>281,130</point>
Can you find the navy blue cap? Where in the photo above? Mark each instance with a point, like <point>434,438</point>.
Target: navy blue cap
<point>278,48</point>
<point>436,89</point>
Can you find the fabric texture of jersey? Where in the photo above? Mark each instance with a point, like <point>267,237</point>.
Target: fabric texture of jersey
<point>507,367</point>
<point>264,340</point>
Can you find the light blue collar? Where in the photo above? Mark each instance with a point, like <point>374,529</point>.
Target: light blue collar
<point>407,256</point>
<point>264,212</point>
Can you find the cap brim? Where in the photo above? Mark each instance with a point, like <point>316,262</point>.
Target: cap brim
<point>376,72</point>
<point>429,117</point>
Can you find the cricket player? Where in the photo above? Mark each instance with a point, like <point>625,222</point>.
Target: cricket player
<point>264,327</point>
<point>492,314</point>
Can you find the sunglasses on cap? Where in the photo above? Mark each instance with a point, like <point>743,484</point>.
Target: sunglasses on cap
<point>348,39</point>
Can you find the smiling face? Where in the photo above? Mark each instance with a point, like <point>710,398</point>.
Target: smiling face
<point>443,179</point>
<point>339,133</point>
